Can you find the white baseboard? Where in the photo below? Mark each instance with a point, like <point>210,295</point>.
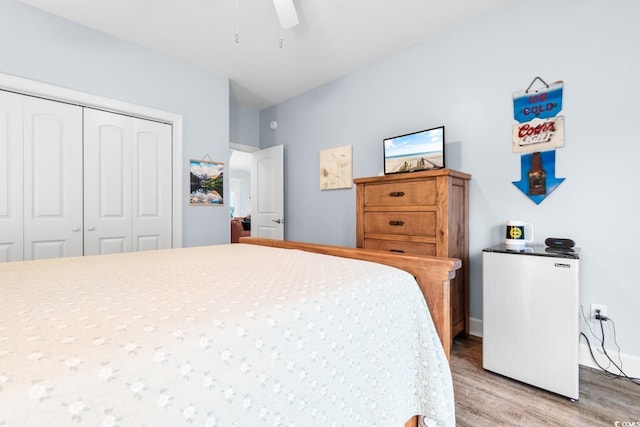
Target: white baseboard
<point>630,364</point>
<point>475,327</point>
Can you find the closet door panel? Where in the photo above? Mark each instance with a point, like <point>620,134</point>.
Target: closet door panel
<point>52,179</point>
<point>107,178</point>
<point>75,180</point>
<point>151,158</point>
<point>11,184</point>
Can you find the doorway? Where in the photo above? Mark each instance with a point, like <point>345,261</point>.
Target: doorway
<point>240,190</point>
<point>240,184</point>
<point>265,173</point>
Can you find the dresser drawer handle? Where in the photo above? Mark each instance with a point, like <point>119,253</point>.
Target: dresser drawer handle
<point>396,223</point>
<point>399,251</point>
<point>396,194</point>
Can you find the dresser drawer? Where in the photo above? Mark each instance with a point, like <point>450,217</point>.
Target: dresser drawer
<point>406,223</point>
<point>401,247</point>
<point>415,193</point>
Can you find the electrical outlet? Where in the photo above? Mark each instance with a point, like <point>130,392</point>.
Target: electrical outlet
<point>594,308</point>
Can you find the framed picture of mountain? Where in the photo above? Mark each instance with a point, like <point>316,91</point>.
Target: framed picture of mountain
<point>207,182</point>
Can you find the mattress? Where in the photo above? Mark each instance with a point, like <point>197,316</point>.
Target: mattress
<point>228,335</point>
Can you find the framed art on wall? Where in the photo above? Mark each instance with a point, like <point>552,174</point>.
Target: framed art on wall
<point>207,179</point>
<point>336,168</point>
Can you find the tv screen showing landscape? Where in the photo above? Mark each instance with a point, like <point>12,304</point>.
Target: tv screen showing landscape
<point>417,151</point>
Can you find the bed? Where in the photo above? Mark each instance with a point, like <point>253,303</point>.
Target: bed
<point>229,335</point>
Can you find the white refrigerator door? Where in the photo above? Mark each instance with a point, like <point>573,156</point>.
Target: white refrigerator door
<point>530,320</point>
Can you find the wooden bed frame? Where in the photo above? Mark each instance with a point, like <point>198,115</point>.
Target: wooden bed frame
<point>433,275</point>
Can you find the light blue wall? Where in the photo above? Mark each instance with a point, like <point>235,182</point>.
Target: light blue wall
<point>42,47</point>
<point>465,79</point>
<point>244,129</point>
<point>244,125</point>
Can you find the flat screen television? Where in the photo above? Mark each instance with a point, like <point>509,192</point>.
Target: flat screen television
<point>416,151</point>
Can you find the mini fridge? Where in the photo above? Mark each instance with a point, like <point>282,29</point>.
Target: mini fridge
<point>530,316</point>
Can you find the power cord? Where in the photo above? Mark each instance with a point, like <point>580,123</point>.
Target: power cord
<point>601,320</point>
<point>603,370</point>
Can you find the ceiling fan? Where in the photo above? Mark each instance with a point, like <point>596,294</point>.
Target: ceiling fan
<point>286,13</point>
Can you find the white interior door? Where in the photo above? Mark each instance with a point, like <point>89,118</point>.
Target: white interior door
<point>151,185</point>
<point>11,182</point>
<point>128,192</point>
<point>52,179</point>
<point>107,181</point>
<point>39,184</point>
<point>267,193</point>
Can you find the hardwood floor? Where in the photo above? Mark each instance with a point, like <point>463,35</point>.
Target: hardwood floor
<point>487,399</point>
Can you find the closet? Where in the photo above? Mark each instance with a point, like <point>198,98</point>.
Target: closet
<point>81,181</point>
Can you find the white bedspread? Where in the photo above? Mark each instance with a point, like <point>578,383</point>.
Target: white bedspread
<point>229,335</point>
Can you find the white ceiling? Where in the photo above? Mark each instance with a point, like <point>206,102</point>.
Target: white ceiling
<point>334,37</point>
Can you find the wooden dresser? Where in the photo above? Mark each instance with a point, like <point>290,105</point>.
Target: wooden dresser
<point>423,213</point>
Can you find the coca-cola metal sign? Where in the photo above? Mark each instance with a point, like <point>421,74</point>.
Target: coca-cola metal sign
<point>538,135</point>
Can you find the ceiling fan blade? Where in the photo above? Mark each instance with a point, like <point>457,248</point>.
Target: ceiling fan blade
<point>286,13</point>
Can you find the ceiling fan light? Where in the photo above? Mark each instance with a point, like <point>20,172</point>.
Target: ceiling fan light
<point>286,13</point>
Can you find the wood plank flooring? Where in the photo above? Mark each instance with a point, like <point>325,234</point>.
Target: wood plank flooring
<point>487,399</point>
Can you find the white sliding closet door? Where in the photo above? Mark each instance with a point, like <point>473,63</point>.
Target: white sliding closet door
<point>52,179</point>
<point>11,183</point>
<point>127,181</point>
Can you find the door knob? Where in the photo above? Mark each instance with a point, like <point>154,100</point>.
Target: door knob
<point>278,221</point>
<point>75,229</point>
<point>91,228</point>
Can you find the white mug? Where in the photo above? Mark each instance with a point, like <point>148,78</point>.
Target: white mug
<point>517,234</point>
